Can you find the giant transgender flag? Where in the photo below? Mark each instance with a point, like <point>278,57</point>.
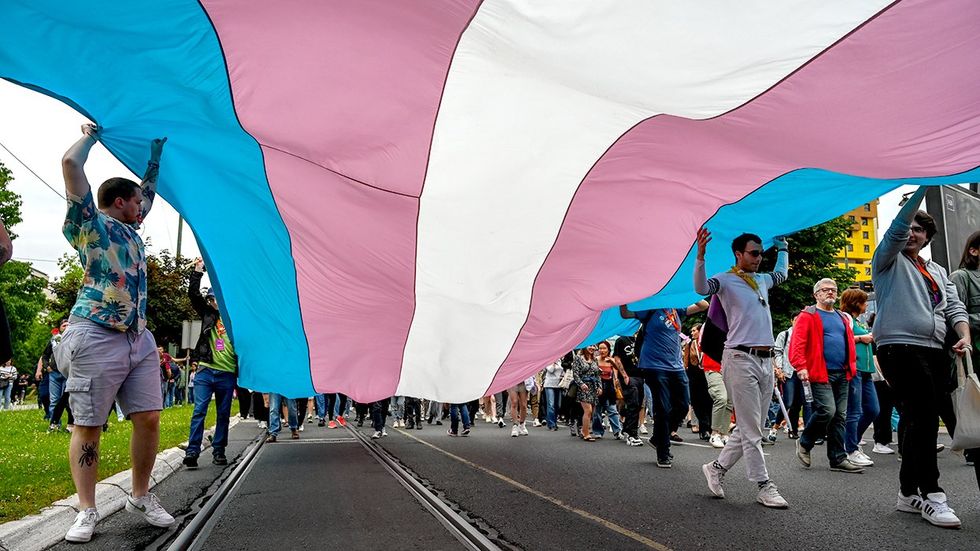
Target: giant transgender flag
<point>437,198</point>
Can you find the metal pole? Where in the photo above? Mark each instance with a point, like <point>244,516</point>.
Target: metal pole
<point>180,231</point>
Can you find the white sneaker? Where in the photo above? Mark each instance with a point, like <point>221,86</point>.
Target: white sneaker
<point>938,512</point>
<point>909,504</point>
<point>83,528</point>
<point>630,441</point>
<point>150,509</point>
<point>514,431</point>
<point>384,431</point>
<point>769,496</point>
<point>882,449</point>
<point>301,428</point>
<point>376,435</point>
<point>523,429</point>
<point>725,439</point>
<point>717,441</point>
<point>715,478</point>
<point>866,458</point>
<point>263,425</point>
<point>537,423</point>
<point>643,429</point>
<point>857,458</point>
<point>488,419</point>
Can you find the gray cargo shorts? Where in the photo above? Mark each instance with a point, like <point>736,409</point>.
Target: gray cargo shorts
<point>103,365</point>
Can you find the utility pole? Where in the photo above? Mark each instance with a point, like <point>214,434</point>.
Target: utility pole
<point>180,231</point>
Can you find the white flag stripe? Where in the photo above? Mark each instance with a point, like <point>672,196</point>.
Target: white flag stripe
<point>562,81</point>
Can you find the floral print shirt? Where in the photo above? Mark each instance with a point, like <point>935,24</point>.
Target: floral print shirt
<point>113,293</point>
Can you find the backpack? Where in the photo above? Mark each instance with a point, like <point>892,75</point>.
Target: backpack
<point>714,332</point>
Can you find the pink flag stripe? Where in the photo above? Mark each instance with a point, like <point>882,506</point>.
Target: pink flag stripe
<point>887,101</point>
<point>349,155</point>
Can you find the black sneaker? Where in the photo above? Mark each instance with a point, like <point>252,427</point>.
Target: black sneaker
<point>190,461</point>
<point>322,423</point>
<point>219,459</point>
<point>676,438</point>
<point>665,463</point>
<point>438,422</point>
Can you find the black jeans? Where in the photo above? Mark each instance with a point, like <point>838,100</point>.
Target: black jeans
<point>244,401</point>
<point>920,381</point>
<point>338,401</point>
<point>829,416</point>
<point>883,422</point>
<point>60,407</point>
<point>701,401</point>
<point>261,411</point>
<point>670,403</point>
<point>795,402</point>
<point>379,414</point>
<point>633,398</point>
<point>360,411</point>
<point>413,411</point>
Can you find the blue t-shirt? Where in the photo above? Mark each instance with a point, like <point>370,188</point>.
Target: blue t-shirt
<point>834,343</point>
<point>661,339</point>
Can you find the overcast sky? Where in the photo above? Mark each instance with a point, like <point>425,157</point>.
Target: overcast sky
<point>38,130</point>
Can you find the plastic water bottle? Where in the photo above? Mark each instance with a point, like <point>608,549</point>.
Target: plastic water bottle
<point>807,392</point>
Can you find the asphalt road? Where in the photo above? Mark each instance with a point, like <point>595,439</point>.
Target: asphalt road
<point>544,491</point>
<point>551,491</point>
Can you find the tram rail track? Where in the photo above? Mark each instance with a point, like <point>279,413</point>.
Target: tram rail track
<point>194,535</point>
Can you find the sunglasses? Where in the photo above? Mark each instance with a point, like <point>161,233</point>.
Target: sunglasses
<point>753,253</point>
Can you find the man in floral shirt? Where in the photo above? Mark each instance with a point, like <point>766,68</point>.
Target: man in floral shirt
<point>106,352</point>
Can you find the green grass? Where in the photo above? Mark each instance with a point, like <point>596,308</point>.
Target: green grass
<point>34,463</point>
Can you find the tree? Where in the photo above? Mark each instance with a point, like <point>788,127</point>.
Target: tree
<point>23,298</point>
<point>10,202</point>
<point>812,256</point>
<point>65,289</point>
<point>22,292</point>
<point>167,303</point>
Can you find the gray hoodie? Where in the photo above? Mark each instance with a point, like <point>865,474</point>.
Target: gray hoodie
<point>905,311</point>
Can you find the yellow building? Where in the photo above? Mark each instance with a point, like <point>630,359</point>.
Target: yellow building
<point>861,240</point>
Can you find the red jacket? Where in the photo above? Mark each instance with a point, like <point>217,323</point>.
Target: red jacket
<point>806,345</point>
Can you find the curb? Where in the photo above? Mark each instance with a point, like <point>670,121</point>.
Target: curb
<point>46,528</point>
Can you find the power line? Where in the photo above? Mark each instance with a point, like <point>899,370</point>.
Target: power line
<point>56,192</point>
<point>24,259</point>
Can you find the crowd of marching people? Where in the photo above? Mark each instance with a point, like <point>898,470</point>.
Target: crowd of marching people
<point>824,381</point>
<point>733,382</point>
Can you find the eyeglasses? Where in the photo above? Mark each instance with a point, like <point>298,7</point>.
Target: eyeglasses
<point>754,253</point>
<point>827,290</point>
